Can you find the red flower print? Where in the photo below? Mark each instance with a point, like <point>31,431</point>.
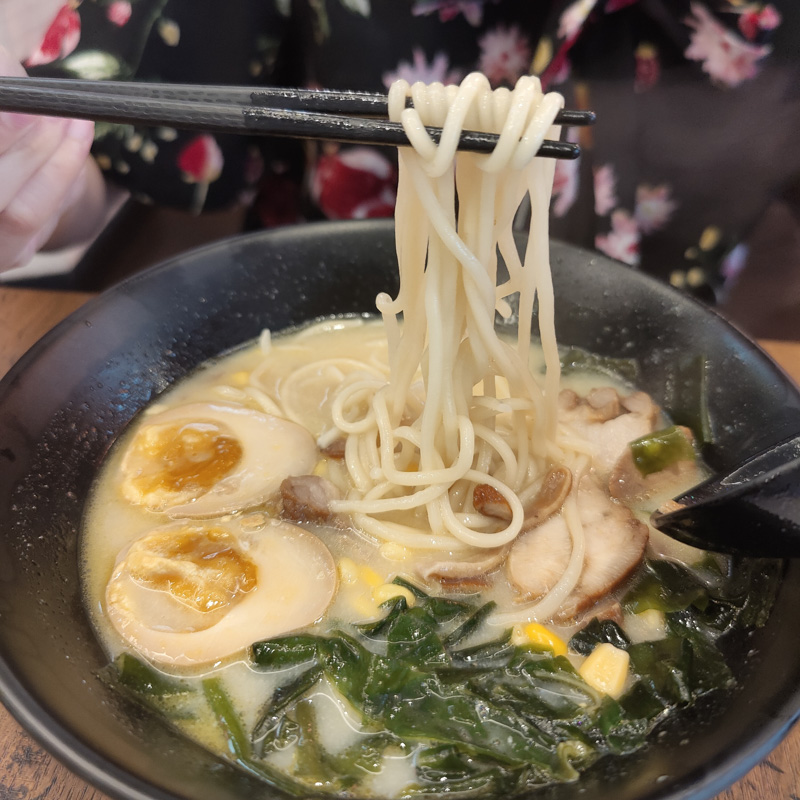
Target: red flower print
<point>61,39</point>
<point>201,163</point>
<point>201,160</point>
<point>753,20</point>
<point>119,12</point>
<point>354,184</point>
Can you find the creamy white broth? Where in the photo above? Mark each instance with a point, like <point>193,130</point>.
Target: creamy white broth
<point>255,379</point>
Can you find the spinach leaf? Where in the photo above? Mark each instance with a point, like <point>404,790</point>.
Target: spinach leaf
<point>598,632</point>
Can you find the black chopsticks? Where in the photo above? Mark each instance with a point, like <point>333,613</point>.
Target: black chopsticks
<point>295,113</point>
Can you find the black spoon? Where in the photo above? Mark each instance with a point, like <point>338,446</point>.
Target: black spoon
<point>752,511</point>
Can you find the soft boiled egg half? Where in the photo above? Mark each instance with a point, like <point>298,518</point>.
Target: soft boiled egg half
<point>210,459</point>
<point>197,592</point>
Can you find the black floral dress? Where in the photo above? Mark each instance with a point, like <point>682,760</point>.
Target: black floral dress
<point>698,105</point>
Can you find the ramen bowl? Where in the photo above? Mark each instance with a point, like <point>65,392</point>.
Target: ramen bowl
<point>66,402</point>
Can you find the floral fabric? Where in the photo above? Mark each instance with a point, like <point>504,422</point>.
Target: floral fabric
<point>697,101</point>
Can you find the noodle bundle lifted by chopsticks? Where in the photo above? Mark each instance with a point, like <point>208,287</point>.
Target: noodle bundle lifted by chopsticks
<point>461,408</point>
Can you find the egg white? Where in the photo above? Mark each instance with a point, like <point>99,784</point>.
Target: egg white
<point>296,582</point>
<point>272,449</point>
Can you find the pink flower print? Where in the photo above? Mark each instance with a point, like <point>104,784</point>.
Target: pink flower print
<point>605,189</point>
<point>505,54</point>
<point>357,183</point>
<point>622,242</point>
<point>573,17</point>
<point>119,12</point>
<point>438,71</point>
<point>728,59</point>
<point>450,9</point>
<point>565,186</point>
<point>201,162</point>
<point>648,67</point>
<point>61,39</point>
<point>654,207</point>
<point>753,20</point>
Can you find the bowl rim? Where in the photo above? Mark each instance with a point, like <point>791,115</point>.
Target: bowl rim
<point>105,775</point>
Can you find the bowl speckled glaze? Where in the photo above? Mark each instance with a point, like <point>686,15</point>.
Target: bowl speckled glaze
<point>65,403</point>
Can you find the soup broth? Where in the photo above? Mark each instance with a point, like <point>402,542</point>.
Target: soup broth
<point>277,631</point>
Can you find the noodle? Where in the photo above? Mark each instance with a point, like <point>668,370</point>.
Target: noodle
<point>484,420</point>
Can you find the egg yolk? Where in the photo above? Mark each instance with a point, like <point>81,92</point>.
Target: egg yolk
<point>200,567</point>
<point>192,456</point>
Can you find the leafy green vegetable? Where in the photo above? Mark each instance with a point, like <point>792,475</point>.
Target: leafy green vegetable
<point>659,450</point>
<point>228,719</point>
<point>597,632</point>
<point>488,717</point>
<point>575,359</point>
<point>145,680</point>
<point>483,716</point>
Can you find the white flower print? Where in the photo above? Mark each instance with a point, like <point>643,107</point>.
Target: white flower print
<point>359,6</point>
<point>450,9</point>
<point>438,71</point>
<point>605,190</point>
<point>505,54</point>
<point>573,17</point>
<point>727,58</point>
<point>622,241</point>
<point>654,207</point>
<point>565,186</point>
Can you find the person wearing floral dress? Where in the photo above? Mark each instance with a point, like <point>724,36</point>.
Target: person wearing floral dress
<point>698,106</point>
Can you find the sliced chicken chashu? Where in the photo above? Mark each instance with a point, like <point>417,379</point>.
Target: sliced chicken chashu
<point>607,422</point>
<point>615,543</point>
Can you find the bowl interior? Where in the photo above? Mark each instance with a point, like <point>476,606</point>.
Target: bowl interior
<point>70,397</point>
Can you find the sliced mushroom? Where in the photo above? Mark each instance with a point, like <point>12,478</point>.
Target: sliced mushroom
<point>607,436</point>
<point>552,493</point>
<point>627,484</point>
<point>335,449</point>
<point>548,500</point>
<point>615,542</point>
<point>487,500</point>
<point>306,498</point>
<point>465,572</point>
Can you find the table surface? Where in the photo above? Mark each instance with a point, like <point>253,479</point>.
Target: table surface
<point>27,772</point>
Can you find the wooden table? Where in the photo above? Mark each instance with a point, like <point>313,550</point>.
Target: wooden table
<point>29,773</point>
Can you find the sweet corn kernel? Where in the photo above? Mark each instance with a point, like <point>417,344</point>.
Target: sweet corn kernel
<point>388,591</point>
<point>394,552</point>
<point>321,468</point>
<point>365,607</point>
<point>606,669</point>
<point>537,634</point>
<point>370,577</point>
<point>348,571</point>
<point>240,378</point>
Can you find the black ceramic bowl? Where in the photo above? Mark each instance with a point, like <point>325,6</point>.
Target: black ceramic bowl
<point>68,399</point>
